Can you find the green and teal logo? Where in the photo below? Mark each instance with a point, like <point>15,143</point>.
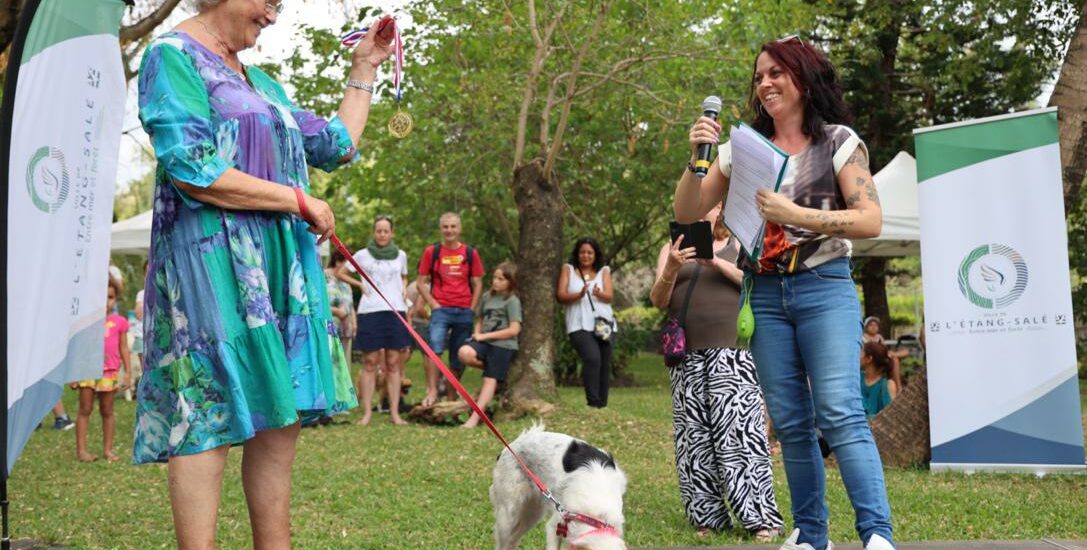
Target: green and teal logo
<point>47,179</point>
<point>993,276</point>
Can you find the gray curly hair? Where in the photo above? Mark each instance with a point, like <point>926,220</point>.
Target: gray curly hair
<point>201,5</point>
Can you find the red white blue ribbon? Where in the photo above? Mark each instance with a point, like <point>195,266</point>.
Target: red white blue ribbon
<point>398,65</point>
<point>352,38</point>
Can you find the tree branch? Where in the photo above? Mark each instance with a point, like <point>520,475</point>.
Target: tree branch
<point>543,48</point>
<point>144,26</point>
<point>571,88</point>
<point>621,66</point>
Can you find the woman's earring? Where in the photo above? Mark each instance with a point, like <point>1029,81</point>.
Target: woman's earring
<point>759,110</point>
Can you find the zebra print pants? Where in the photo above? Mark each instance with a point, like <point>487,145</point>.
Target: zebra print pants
<point>722,454</point>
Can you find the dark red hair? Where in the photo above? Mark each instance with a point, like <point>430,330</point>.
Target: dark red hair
<point>815,77</point>
<point>880,357</point>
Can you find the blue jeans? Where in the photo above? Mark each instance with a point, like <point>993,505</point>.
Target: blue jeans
<point>456,322</point>
<point>806,346</point>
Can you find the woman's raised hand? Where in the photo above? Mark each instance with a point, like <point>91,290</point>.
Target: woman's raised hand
<point>368,54</point>
<point>677,256</point>
<point>705,130</point>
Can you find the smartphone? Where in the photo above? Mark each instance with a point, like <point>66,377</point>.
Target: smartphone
<point>698,234</point>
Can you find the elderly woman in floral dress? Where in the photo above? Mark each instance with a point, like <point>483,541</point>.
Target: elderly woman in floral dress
<point>240,342</point>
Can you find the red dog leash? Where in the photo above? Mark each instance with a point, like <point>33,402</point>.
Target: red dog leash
<point>567,516</point>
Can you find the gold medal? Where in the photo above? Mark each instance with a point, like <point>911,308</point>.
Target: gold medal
<point>400,124</point>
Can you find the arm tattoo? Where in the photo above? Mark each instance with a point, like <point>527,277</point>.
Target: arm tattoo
<point>833,223</point>
<point>869,189</point>
<point>853,199</point>
<point>859,158</point>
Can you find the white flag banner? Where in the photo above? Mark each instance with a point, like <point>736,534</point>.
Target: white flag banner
<point>1003,392</point>
<point>63,109</point>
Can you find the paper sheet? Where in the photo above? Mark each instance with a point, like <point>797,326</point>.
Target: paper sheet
<point>756,164</point>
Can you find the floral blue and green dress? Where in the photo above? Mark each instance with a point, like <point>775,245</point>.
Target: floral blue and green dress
<point>238,333</point>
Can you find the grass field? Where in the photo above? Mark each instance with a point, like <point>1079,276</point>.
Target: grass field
<point>426,487</point>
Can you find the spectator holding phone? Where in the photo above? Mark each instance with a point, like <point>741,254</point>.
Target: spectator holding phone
<point>722,451</point>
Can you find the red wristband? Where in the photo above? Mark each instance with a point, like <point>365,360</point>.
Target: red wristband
<point>301,198</point>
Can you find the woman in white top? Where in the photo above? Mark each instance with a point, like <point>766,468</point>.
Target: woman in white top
<point>585,291</point>
<point>382,338</point>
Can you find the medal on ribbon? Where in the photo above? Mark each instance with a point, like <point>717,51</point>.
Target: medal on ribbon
<point>401,123</point>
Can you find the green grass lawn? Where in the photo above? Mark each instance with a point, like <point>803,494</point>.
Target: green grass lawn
<point>426,487</point>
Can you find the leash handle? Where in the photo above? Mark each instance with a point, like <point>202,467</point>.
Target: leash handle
<point>448,374</point>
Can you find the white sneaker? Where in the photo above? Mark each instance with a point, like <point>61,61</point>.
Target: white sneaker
<point>791,544</point>
<point>877,542</point>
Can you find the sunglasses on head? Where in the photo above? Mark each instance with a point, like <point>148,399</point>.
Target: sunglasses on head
<point>789,38</point>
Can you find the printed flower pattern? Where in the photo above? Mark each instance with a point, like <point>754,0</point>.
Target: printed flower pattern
<point>238,332</point>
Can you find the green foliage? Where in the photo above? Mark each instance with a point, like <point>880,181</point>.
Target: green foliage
<point>641,317</point>
<point>638,327</point>
<point>906,65</point>
<point>904,316</point>
<point>466,76</point>
<point>136,199</point>
<point>383,486</point>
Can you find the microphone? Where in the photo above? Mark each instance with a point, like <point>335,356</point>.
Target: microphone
<point>711,107</point>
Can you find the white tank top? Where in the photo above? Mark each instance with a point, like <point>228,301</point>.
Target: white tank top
<point>580,315</point>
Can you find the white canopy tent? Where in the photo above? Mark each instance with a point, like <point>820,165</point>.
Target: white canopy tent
<point>897,187</point>
<point>131,236</point>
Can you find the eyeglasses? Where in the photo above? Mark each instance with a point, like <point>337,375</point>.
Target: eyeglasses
<point>276,7</point>
<point>789,38</point>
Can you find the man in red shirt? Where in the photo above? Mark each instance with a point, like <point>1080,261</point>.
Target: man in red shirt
<point>451,282</point>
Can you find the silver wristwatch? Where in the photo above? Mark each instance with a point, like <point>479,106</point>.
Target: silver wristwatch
<point>361,85</point>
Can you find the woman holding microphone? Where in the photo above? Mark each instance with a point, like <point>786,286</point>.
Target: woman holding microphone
<point>806,343</point>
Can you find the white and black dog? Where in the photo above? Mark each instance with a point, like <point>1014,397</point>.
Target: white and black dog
<point>584,479</point>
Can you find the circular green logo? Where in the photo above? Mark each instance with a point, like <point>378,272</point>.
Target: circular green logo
<point>47,179</point>
<point>992,276</point>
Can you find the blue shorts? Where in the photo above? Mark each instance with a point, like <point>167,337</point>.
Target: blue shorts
<point>496,360</point>
<point>380,330</point>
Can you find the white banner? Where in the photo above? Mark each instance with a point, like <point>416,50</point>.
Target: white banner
<point>1003,393</point>
<point>65,136</point>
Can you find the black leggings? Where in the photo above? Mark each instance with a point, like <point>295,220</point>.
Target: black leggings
<point>595,366</point>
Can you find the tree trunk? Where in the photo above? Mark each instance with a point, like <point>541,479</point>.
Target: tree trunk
<point>874,284</point>
<point>902,429</point>
<point>1070,95</point>
<point>879,137</point>
<point>539,258</point>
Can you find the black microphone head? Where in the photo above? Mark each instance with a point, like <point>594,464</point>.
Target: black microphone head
<point>712,103</point>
